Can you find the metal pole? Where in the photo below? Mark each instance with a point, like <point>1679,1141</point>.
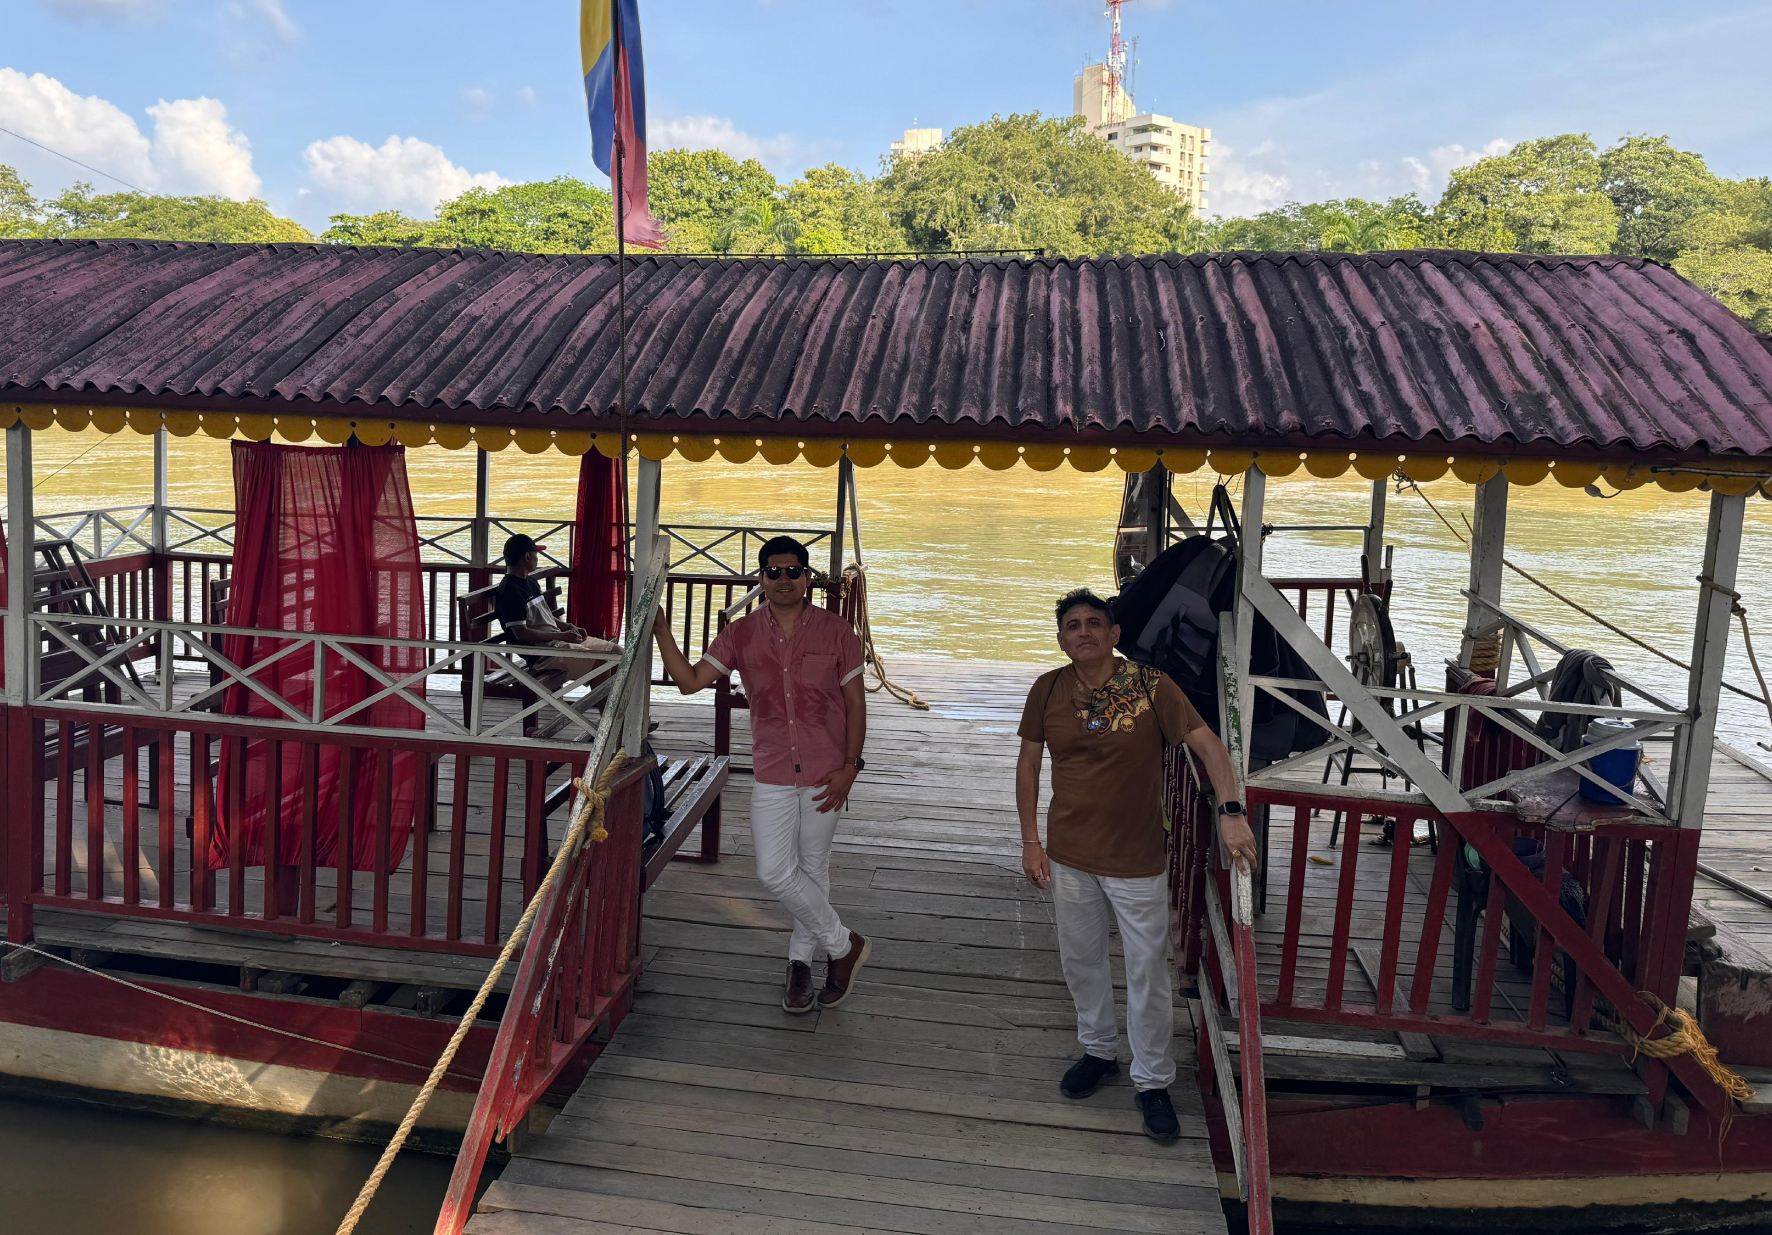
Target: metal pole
<point>1156,512</point>
<point>1690,775</point>
<point>161,502</point>
<point>645,545</point>
<point>21,520</point>
<point>480,550</point>
<point>1488,543</point>
<point>845,478</point>
<point>1248,570</point>
<point>1372,543</point>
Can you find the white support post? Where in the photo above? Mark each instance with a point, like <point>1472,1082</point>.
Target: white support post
<point>162,504</point>
<point>21,548</point>
<point>1372,543</point>
<point>1156,512</point>
<point>1488,543</point>
<point>1248,571</point>
<point>1690,774</point>
<point>480,550</point>
<point>645,538</point>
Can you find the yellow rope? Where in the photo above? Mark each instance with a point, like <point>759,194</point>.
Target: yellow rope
<point>1684,1037</point>
<point>592,801</point>
<point>871,653</point>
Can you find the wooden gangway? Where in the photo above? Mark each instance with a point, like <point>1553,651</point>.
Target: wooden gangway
<point>929,1102</point>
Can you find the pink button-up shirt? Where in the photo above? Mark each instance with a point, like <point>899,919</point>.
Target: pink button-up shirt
<point>799,724</point>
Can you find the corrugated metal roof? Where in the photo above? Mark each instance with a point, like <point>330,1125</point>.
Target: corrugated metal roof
<point>1592,353</point>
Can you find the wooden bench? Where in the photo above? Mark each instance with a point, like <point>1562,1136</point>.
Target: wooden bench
<point>475,613</point>
<point>693,786</point>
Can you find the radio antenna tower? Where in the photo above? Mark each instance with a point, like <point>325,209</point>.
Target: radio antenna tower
<point>1117,86</point>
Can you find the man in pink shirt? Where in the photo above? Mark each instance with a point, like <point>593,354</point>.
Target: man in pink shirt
<point>801,667</point>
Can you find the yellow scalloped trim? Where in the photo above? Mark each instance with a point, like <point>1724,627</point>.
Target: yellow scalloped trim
<point>1572,474</point>
<point>332,430</point>
<point>576,442</point>
<point>1090,458</point>
<point>1734,486</point>
<point>1278,462</point>
<point>453,436</point>
<point>1230,462</point>
<point>822,451</point>
<point>533,441</point>
<point>1041,457</point>
<point>219,425</point>
<point>998,456</point>
<point>910,454</point>
<point>1626,475</point>
<point>491,437</point>
<point>1135,458</point>
<point>779,451</point>
<point>732,449</point>
<point>8,415</point>
<point>109,419</point>
<point>1375,466</point>
<point>1424,468</point>
<point>257,427</point>
<point>145,421</point>
<point>1475,471</point>
<point>610,445</point>
<point>37,417</point>
<point>374,432</point>
<point>182,424</point>
<point>1525,471</point>
<point>654,445</point>
<point>73,419</point>
<point>697,448</point>
<point>1181,460</point>
<point>954,455</point>
<point>1678,482</point>
<point>295,428</point>
<point>1327,465</point>
<point>867,452</point>
<point>412,433</point>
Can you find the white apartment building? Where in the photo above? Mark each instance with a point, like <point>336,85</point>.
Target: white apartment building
<point>1176,154</point>
<point>917,141</point>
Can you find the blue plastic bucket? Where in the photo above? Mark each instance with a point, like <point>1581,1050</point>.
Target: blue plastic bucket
<point>1617,766</point>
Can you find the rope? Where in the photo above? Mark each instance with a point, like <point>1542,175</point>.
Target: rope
<point>1747,638</point>
<point>226,1016</point>
<point>1762,698</point>
<point>1684,1037</point>
<point>871,652</point>
<point>592,801</point>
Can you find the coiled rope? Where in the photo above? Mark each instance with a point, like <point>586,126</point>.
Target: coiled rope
<point>858,597</point>
<point>587,829</point>
<point>1685,1037</point>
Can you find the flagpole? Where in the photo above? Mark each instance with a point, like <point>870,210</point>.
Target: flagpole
<point>621,285</point>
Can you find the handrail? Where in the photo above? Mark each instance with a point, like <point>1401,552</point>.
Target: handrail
<point>563,940</point>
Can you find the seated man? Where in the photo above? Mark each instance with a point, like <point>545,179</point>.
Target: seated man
<point>1107,723</point>
<point>527,617</point>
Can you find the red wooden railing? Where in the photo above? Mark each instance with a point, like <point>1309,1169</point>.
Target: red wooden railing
<point>578,970</point>
<point>1213,913</point>
<point>1326,592</point>
<point>167,778</point>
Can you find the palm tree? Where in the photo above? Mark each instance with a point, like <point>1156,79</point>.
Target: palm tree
<point>757,217</point>
<point>1360,233</point>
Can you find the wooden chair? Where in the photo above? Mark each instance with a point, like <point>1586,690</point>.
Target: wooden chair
<point>475,616</point>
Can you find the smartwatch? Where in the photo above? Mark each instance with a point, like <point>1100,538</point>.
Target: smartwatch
<point>860,764</point>
<point>1232,807</point>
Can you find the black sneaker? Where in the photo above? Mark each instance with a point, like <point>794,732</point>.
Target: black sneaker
<point>1160,1123</point>
<point>1086,1076</point>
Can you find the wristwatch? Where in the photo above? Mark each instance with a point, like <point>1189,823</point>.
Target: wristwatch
<point>1232,807</point>
<point>860,764</point>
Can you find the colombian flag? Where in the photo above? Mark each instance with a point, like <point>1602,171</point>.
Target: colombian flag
<point>615,89</point>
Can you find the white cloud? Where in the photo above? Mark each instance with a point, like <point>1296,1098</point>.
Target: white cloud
<point>1238,189</point>
<point>778,153</point>
<point>194,149</point>
<point>402,172</point>
<point>271,12</point>
<point>478,99</point>
<point>1431,171</point>
<point>527,94</point>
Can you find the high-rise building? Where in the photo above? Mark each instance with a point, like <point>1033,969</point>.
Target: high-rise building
<point>917,141</point>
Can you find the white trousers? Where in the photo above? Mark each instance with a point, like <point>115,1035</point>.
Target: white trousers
<point>793,844</point>
<point>1086,905</point>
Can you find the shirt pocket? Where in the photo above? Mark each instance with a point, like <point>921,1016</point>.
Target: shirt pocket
<point>818,672</point>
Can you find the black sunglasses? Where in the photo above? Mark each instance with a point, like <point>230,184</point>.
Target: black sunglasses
<point>792,572</point>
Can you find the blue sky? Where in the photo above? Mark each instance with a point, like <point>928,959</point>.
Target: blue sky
<point>320,105</point>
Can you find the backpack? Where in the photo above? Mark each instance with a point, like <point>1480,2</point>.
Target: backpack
<point>1168,619</point>
<point>655,812</point>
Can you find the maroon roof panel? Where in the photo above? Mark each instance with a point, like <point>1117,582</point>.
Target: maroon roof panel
<point>1250,348</point>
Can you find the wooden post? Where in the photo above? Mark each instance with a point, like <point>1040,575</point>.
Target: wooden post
<point>845,485</point>
<point>1689,778</point>
<point>21,522</point>
<point>480,545</point>
<point>645,534</point>
<point>1248,569</point>
<point>1372,542</point>
<point>1156,512</point>
<point>18,759</point>
<point>1488,543</point>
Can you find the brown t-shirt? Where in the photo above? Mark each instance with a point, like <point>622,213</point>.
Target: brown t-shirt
<point>1106,816</point>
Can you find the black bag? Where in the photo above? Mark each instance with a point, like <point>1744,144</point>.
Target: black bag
<point>655,812</point>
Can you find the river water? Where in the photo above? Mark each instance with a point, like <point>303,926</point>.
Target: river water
<point>961,564</point>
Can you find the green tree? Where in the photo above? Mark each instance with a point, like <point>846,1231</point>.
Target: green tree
<point>385,227</point>
<point>1357,226</point>
<point>841,211</point>
<point>704,187</point>
<point>18,209</point>
<point>756,227</point>
<point>1542,196</point>
<point>1657,190</point>
<point>1031,182</point>
<point>79,214</point>
<point>1740,277</point>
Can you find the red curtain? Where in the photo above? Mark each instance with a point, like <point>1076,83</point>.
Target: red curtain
<point>600,547</point>
<point>324,540</point>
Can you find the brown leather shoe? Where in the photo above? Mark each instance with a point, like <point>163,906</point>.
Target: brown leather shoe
<point>840,974</point>
<point>796,997</point>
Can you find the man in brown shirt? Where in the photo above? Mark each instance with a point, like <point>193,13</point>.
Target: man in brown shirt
<point>1107,723</point>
